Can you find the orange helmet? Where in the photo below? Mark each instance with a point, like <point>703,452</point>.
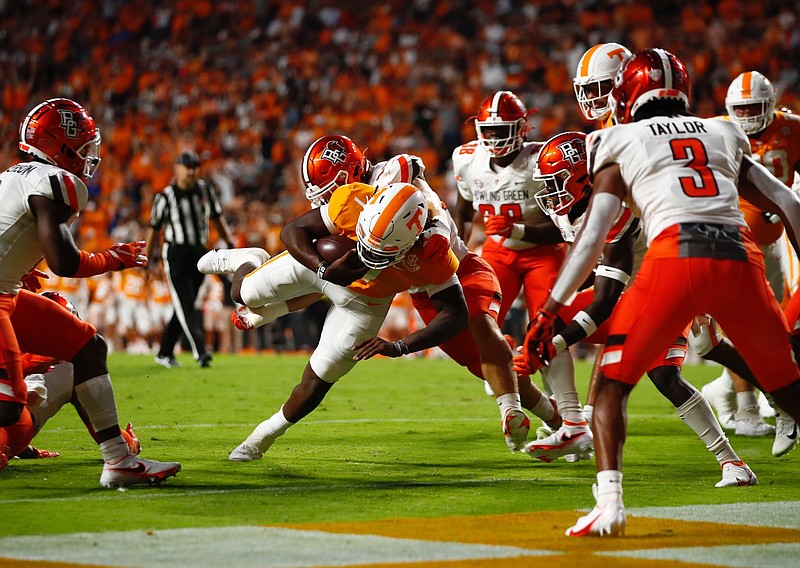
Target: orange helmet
<point>501,123</point>
<point>329,162</point>
<point>61,132</point>
<point>561,166</point>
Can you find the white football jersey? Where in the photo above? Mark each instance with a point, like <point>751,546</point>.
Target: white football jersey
<point>20,250</point>
<point>508,191</point>
<point>683,169</point>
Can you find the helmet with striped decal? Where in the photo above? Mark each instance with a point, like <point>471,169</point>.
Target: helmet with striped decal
<point>390,224</point>
<point>329,162</point>
<point>502,123</point>
<point>751,88</point>
<point>594,78</point>
<point>651,74</point>
<point>61,132</point>
<point>561,166</point>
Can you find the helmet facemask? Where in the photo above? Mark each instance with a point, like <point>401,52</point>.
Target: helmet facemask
<point>503,137</point>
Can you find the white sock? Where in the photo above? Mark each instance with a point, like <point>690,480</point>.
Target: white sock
<point>114,450</point>
<point>588,413</point>
<point>609,486</point>
<point>560,375</point>
<point>726,379</point>
<point>544,409</point>
<point>697,414</point>
<point>265,433</point>
<point>97,398</point>
<point>746,399</point>
<point>267,313</point>
<point>509,401</point>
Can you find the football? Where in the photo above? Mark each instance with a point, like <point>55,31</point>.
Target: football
<point>334,247</point>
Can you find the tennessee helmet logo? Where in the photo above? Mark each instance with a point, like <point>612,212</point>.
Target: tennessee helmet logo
<point>410,262</point>
<point>570,152</point>
<point>68,123</point>
<point>334,152</point>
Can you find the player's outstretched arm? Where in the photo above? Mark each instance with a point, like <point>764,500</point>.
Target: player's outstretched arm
<point>60,252</point>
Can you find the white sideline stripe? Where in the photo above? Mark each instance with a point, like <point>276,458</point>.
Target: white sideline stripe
<point>778,514</point>
<point>244,547</point>
<point>738,556</point>
<point>146,494</point>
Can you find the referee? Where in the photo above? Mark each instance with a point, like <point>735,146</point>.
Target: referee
<point>182,212</point>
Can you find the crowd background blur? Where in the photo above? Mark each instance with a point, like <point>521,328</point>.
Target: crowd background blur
<point>249,84</point>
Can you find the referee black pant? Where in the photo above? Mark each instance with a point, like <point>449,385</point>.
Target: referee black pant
<point>180,263</point>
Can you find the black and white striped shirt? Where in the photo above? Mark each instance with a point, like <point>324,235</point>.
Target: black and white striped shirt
<point>184,214</point>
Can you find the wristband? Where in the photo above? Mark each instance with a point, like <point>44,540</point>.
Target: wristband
<point>586,322</point>
<point>559,343</point>
<point>402,347</point>
<point>517,232</point>
<point>323,266</point>
<point>612,273</point>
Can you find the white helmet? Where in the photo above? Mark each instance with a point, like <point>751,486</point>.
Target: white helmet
<point>595,77</point>
<point>389,225</point>
<point>751,87</point>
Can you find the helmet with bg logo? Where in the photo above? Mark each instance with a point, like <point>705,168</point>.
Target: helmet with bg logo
<point>61,132</point>
<point>651,74</point>
<point>390,224</point>
<point>561,166</point>
<point>329,162</point>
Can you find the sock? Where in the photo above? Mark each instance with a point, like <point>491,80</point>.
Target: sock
<point>544,409</point>
<point>267,313</point>
<point>588,414</point>
<point>697,414</point>
<point>252,259</point>
<point>17,436</point>
<point>114,450</point>
<point>560,375</point>
<point>726,378</point>
<point>746,399</point>
<point>509,401</point>
<point>269,430</point>
<point>96,396</point>
<point>609,486</point>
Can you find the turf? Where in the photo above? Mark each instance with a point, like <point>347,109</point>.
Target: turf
<point>395,438</point>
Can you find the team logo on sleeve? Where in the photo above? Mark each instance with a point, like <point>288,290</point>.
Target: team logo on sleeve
<point>334,152</point>
<point>68,123</point>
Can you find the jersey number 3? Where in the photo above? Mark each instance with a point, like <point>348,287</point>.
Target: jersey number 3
<point>693,150</point>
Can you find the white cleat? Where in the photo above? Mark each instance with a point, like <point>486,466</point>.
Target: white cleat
<point>566,440</point>
<point>608,520</point>
<point>785,434</point>
<point>737,474</point>
<point>516,426</point>
<point>750,423</point>
<point>245,452</point>
<point>720,395</point>
<point>227,261</point>
<point>133,470</point>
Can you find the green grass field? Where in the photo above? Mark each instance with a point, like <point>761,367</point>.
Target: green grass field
<point>409,438</point>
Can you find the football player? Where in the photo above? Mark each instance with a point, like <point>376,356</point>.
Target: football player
<point>775,142</point>
<point>561,166</point>
<point>389,257</point>
<point>41,199</point>
<point>333,160</point>
<point>683,174</point>
<point>494,178</point>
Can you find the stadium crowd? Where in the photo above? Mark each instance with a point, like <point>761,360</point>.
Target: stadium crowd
<point>250,84</point>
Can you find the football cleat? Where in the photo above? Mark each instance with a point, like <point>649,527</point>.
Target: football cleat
<point>245,319</point>
<point>133,470</point>
<point>750,423</point>
<point>608,520</point>
<point>245,452</point>
<point>4,457</point>
<point>168,361</point>
<point>227,261</point>
<point>720,395</point>
<point>516,426</point>
<point>569,439</point>
<point>785,434</point>
<point>736,474</point>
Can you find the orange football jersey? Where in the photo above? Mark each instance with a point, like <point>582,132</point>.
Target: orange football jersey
<point>419,268</point>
